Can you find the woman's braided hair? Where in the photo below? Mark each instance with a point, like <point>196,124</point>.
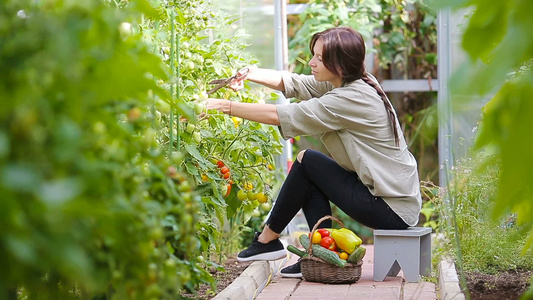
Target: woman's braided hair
<point>343,54</point>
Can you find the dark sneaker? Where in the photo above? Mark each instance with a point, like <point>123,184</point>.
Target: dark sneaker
<point>272,250</point>
<point>293,271</point>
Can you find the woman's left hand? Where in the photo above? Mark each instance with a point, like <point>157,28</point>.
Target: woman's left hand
<point>221,105</point>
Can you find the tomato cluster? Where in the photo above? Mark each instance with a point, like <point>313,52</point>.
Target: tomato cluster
<point>226,174</point>
<point>247,194</point>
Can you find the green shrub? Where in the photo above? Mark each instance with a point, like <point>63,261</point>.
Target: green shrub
<point>106,193</point>
<point>486,245</point>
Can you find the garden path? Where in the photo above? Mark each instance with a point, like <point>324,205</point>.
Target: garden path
<point>393,288</point>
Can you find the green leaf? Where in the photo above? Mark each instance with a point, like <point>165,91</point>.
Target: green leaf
<point>193,151</point>
<point>486,29</point>
<point>191,169</point>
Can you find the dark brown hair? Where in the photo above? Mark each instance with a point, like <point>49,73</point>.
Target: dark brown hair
<point>343,54</point>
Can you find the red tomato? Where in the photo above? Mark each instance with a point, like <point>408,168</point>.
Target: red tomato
<point>323,232</point>
<point>224,170</point>
<point>220,164</point>
<point>328,243</point>
<point>333,246</point>
<point>228,190</point>
<point>227,175</point>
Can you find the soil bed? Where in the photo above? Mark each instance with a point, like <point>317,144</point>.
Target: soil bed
<point>233,269</point>
<point>508,285</point>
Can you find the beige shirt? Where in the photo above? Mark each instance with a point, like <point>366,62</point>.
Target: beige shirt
<point>356,130</point>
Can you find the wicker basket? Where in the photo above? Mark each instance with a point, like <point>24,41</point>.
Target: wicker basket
<point>316,270</point>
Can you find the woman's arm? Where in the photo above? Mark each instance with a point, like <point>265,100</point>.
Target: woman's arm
<point>257,112</point>
<point>267,77</point>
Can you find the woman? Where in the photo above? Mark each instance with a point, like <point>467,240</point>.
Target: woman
<point>371,176</point>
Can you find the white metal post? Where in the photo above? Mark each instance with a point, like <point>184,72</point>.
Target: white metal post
<point>444,101</point>
<point>282,62</point>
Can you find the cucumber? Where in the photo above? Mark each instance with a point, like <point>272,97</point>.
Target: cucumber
<point>357,255</point>
<point>296,251</point>
<point>323,253</point>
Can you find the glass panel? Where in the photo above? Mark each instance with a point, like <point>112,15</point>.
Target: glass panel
<point>466,111</point>
<point>257,21</point>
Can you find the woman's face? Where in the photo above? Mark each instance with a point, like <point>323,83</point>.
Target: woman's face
<point>319,70</point>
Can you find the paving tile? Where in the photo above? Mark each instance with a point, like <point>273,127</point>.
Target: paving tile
<point>373,293</point>
<point>320,291</point>
<point>422,290</point>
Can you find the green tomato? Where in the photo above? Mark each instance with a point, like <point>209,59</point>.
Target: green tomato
<point>241,195</point>
<point>256,213</point>
<point>148,138</point>
<point>251,196</point>
<point>200,259</point>
<point>199,108</point>
<point>199,59</point>
<point>125,28</point>
<point>184,186</point>
<point>190,127</point>
<point>265,206</point>
<point>156,233</point>
<point>169,262</point>
<point>177,157</point>
<point>190,65</point>
<point>99,128</point>
<point>185,46</point>
<point>197,137</point>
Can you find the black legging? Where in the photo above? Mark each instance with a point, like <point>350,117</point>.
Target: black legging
<point>316,180</point>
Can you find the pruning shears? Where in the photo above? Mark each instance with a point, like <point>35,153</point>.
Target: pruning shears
<point>224,82</point>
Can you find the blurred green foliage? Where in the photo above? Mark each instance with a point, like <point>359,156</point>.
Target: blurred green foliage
<point>102,182</point>
<point>499,44</point>
<point>79,166</point>
<point>498,41</point>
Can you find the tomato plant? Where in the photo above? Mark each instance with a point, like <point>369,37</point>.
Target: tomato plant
<point>221,155</point>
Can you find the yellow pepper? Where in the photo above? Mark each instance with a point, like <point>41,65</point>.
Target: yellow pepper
<point>346,239</point>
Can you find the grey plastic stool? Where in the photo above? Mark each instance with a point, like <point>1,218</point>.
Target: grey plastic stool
<point>409,250</point>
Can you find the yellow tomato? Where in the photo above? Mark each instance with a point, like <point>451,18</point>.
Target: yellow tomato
<point>343,255</point>
<point>316,238</point>
<point>262,198</point>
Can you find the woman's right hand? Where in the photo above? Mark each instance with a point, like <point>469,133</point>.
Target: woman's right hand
<point>238,83</point>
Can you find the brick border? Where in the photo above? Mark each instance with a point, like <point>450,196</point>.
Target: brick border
<point>252,281</point>
<point>449,282</point>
